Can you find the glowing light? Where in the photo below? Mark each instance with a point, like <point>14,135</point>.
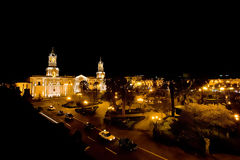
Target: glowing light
<point>139,83</point>
<point>85,102</point>
<point>236,116</point>
<point>111,108</point>
<point>156,118</point>
<point>69,98</point>
<point>140,99</point>
<point>222,89</point>
<point>79,94</point>
<point>205,88</point>
<point>231,88</point>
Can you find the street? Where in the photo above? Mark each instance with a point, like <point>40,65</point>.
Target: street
<point>147,147</point>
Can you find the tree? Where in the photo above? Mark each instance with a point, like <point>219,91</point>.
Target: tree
<point>197,126</point>
<point>110,92</point>
<point>119,85</point>
<point>180,88</point>
<point>206,121</point>
<point>27,96</point>
<point>95,91</point>
<point>83,86</point>
<point>171,87</point>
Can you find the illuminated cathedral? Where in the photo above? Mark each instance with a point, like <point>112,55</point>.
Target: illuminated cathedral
<point>53,85</point>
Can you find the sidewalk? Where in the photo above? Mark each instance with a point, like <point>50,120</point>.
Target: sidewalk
<point>225,157</point>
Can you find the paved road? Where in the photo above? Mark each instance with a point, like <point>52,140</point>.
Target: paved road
<point>98,147</point>
<point>147,148</point>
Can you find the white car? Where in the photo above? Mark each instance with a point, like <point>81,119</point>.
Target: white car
<point>51,108</point>
<point>106,135</point>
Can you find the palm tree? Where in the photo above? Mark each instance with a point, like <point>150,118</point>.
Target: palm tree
<point>182,87</point>
<point>95,88</point>
<point>171,87</point>
<point>110,92</point>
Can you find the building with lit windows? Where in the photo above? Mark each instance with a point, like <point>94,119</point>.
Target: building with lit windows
<point>222,85</point>
<point>143,83</point>
<point>53,85</point>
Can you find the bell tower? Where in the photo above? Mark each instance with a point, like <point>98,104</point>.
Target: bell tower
<point>101,76</point>
<point>52,59</point>
<point>100,73</point>
<point>52,69</point>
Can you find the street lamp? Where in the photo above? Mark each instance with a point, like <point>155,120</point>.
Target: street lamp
<point>140,99</point>
<point>236,116</point>
<point>69,98</point>
<point>205,88</point>
<point>156,118</point>
<point>111,108</point>
<point>85,102</point>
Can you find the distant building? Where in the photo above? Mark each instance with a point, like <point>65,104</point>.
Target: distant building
<point>24,85</point>
<point>53,85</point>
<point>222,85</point>
<point>142,83</point>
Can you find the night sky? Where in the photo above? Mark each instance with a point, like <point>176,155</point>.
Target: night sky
<point>135,44</point>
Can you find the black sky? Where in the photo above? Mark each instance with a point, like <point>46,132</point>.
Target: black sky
<point>129,44</point>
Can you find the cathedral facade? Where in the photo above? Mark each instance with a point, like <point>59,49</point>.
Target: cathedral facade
<point>53,85</point>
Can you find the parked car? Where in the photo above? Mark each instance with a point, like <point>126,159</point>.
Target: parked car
<point>68,117</point>
<point>106,135</point>
<point>60,113</point>
<point>127,144</point>
<point>80,110</point>
<point>89,126</point>
<point>51,108</point>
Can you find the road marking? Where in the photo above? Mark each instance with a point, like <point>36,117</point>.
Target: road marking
<point>68,125</point>
<point>48,117</point>
<point>153,153</point>
<point>85,123</point>
<point>95,127</point>
<point>91,139</point>
<point>110,150</point>
<point>79,120</point>
<point>87,148</point>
